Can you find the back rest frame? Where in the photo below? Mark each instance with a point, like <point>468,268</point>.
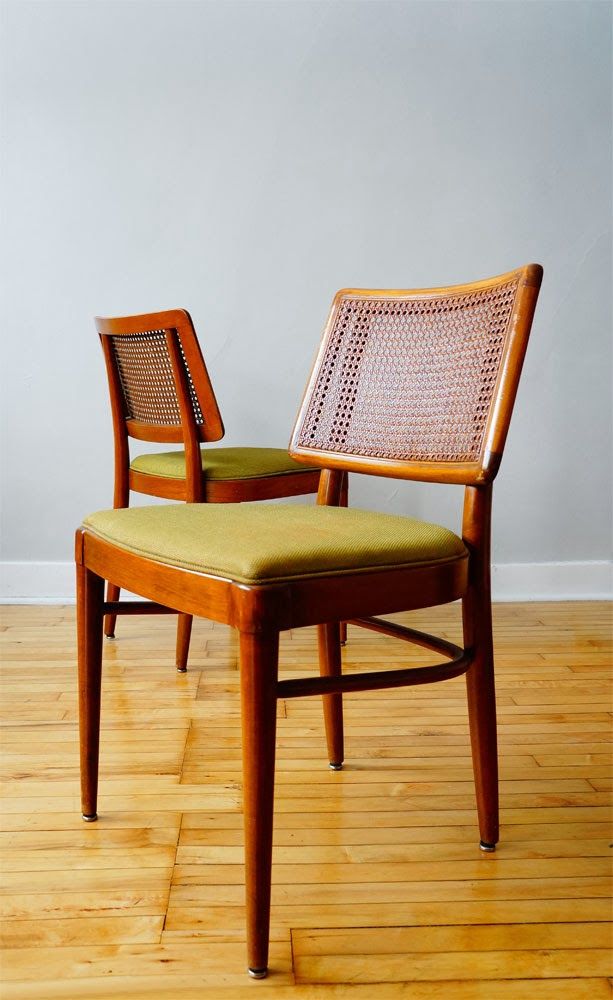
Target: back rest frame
<point>189,377</point>
<point>482,468</point>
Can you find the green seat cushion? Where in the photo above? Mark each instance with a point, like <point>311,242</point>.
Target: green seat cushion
<point>264,543</point>
<point>222,463</point>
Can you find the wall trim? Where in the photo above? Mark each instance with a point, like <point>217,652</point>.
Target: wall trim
<point>53,582</point>
<point>553,581</point>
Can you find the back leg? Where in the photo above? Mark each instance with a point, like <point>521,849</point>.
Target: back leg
<point>184,631</point>
<point>112,594</point>
<point>90,591</point>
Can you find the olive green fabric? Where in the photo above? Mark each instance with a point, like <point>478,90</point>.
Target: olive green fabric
<point>222,463</point>
<point>257,543</point>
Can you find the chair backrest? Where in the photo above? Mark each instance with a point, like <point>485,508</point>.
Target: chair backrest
<point>419,384</point>
<point>158,379</point>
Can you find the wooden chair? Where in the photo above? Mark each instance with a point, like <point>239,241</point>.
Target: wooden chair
<point>409,384</point>
<point>160,391</point>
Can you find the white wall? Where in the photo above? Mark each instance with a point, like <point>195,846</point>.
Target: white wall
<point>244,160</point>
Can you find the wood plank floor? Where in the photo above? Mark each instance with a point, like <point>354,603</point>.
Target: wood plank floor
<point>379,889</point>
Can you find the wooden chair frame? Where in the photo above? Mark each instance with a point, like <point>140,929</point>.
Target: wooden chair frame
<point>261,612</point>
<point>189,375</point>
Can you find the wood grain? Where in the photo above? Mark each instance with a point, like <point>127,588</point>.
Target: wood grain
<point>376,876</point>
<point>197,419</point>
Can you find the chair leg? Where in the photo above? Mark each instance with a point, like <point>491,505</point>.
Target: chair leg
<point>259,654</point>
<point>112,594</point>
<point>481,694</point>
<point>90,593</point>
<point>477,619</point>
<point>330,666</point>
<point>184,632</point>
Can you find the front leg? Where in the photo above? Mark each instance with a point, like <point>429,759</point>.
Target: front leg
<point>259,655</point>
<point>90,595</point>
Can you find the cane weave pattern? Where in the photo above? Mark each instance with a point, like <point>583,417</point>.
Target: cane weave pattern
<point>147,380</point>
<point>409,379</point>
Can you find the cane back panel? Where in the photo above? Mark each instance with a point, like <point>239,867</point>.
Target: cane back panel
<point>144,374</point>
<point>406,382</point>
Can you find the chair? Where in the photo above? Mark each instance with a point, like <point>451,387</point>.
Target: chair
<point>160,391</point>
<point>409,384</point>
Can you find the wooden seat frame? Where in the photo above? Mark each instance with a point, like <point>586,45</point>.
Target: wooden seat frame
<point>261,612</point>
<point>189,378</point>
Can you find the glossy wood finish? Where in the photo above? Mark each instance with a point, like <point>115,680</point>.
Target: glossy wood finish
<point>90,591</point>
<point>300,602</point>
<point>376,872</point>
<point>258,613</point>
<point>374,680</point>
<point>261,612</point>
<point>330,665</point>
<point>182,349</point>
<point>229,490</point>
<point>184,633</point>
<point>259,654</point>
<point>477,619</point>
<point>412,635</point>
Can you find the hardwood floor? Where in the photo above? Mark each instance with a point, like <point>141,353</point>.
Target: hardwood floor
<point>379,889</point>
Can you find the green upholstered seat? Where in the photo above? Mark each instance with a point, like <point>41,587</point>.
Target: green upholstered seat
<point>264,543</point>
<point>222,463</point>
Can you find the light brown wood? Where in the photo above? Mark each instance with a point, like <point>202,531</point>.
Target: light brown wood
<point>481,331</point>
<point>258,668</point>
<point>480,686</point>
<point>229,490</point>
<point>190,383</point>
<point>89,653</point>
<point>329,640</point>
<point>149,901</point>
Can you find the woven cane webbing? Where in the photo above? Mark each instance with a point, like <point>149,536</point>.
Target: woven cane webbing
<point>147,381</point>
<point>409,379</point>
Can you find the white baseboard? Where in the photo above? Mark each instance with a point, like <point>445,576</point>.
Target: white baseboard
<point>37,583</point>
<point>553,581</point>
<point>53,582</point>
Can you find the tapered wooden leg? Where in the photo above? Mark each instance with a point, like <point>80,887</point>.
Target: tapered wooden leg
<point>330,666</point>
<point>483,737</point>
<point>112,594</point>
<point>90,592</point>
<point>259,654</point>
<point>480,687</point>
<point>184,632</point>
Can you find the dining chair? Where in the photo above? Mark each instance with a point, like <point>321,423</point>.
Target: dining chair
<point>415,385</point>
<point>160,391</point>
